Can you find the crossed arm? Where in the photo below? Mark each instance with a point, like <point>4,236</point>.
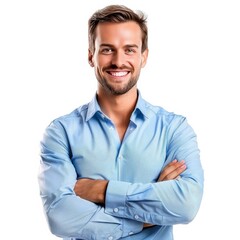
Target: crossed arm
<point>95,190</point>
<point>100,207</point>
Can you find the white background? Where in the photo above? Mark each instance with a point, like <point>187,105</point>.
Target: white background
<point>193,70</point>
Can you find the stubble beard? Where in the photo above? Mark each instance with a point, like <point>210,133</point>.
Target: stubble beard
<point>114,90</point>
<point>118,90</point>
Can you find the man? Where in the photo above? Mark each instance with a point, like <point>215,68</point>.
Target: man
<point>119,167</point>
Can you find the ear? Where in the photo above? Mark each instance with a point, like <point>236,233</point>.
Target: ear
<point>144,57</point>
<point>90,58</point>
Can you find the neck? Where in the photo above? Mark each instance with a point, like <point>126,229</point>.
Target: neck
<point>118,108</point>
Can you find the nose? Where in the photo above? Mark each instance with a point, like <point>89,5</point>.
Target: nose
<point>118,59</point>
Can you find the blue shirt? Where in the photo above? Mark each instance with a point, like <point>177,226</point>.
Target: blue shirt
<point>85,144</point>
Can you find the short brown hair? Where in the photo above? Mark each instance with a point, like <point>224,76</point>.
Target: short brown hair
<point>117,14</point>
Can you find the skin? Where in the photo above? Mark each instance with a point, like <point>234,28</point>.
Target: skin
<point>94,190</point>
<point>117,61</point>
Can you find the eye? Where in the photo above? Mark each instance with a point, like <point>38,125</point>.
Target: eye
<point>130,51</point>
<point>106,51</point>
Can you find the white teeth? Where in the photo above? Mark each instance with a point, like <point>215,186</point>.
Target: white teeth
<point>119,74</point>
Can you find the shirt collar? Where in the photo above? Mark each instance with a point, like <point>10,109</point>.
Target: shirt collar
<point>141,106</point>
<point>93,107</point>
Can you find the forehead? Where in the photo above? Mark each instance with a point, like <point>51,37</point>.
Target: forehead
<point>113,33</point>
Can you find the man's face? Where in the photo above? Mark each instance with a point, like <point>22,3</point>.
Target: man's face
<point>118,59</point>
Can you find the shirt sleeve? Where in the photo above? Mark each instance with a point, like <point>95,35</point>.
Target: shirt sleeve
<point>167,202</point>
<point>67,214</point>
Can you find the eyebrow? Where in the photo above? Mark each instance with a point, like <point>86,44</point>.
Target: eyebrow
<point>125,46</point>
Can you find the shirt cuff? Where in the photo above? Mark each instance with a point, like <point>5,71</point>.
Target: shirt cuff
<point>131,227</point>
<point>115,205</point>
<point>115,200</point>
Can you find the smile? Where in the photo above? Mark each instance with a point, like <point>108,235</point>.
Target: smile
<point>118,74</point>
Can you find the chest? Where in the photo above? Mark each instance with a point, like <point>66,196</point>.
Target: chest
<point>139,157</point>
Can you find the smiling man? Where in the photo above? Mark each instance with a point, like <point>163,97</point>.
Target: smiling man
<point>119,167</point>
<point>118,57</point>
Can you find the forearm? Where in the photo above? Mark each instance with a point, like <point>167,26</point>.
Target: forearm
<point>162,203</point>
<point>85,220</point>
<point>67,214</point>
<point>95,190</point>
<point>70,215</point>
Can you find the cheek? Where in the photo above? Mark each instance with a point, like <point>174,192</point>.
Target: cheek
<point>101,61</point>
<point>137,60</point>
<point>137,63</point>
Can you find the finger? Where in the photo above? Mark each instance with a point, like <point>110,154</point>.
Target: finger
<point>169,168</point>
<point>175,173</point>
<point>172,170</point>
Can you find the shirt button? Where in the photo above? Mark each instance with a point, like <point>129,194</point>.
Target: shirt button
<point>130,233</point>
<point>115,210</point>
<point>136,217</point>
<point>110,238</point>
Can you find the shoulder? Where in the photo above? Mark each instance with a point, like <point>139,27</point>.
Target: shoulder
<point>76,116</point>
<point>177,128</point>
<point>161,114</point>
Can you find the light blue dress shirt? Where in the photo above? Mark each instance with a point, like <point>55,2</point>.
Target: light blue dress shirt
<point>85,144</point>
